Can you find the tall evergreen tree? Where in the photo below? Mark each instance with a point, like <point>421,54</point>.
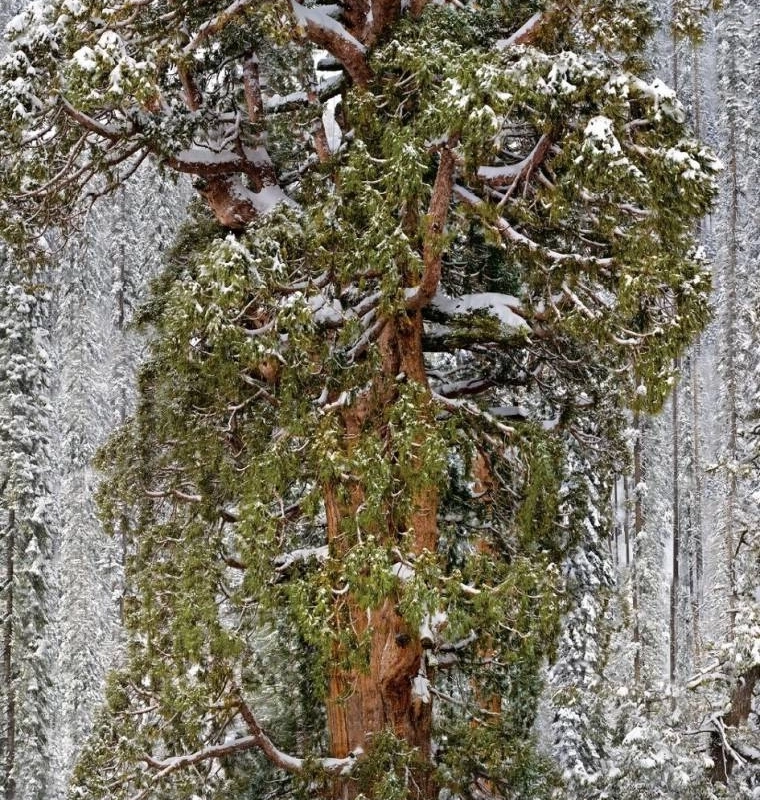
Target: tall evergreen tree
<point>349,456</point>
<point>735,657</point>
<point>100,281</point>
<point>24,501</point>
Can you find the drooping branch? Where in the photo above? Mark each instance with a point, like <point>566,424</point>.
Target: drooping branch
<point>513,235</point>
<point>256,740</point>
<point>92,125</point>
<point>457,405</point>
<point>167,766</point>
<point>332,766</point>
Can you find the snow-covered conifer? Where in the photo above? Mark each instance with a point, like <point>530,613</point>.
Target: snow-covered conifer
<point>372,354</point>
<point>26,538</point>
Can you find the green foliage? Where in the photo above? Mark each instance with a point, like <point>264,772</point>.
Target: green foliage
<point>688,18</point>
<point>302,426</point>
<point>383,775</point>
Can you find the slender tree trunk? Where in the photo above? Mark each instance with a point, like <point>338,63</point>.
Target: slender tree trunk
<point>627,519</point>
<point>696,543</point>
<point>120,319</point>
<point>614,542</point>
<point>638,527</point>
<point>676,552</point>
<point>10,697</point>
<point>676,532</point>
<point>730,343</point>
<point>697,557</point>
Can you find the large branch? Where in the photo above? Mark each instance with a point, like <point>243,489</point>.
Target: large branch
<point>256,740</point>
<point>92,125</point>
<point>332,766</point>
<point>215,24</point>
<point>514,173</point>
<point>432,252</point>
<point>324,31</point>
<point>167,766</point>
<point>525,34</point>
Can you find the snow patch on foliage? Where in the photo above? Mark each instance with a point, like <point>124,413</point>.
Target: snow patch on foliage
<point>600,136</point>
<point>495,304</point>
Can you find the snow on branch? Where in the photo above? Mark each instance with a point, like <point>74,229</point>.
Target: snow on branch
<point>92,125</point>
<point>463,388</point>
<point>508,232</point>
<point>256,740</point>
<point>278,104</point>
<point>285,562</point>
<point>457,405</point>
<point>513,173</point>
<point>326,32</point>
<point>505,307</point>
<point>332,766</point>
<point>524,34</point>
<point>215,24</point>
<point>177,493</point>
<point>172,764</point>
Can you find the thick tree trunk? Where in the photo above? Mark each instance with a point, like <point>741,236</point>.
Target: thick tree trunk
<point>382,697</point>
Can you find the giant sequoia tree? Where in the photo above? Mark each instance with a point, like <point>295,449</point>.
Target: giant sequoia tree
<point>390,354</point>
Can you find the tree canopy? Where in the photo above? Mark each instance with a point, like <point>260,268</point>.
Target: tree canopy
<point>441,248</point>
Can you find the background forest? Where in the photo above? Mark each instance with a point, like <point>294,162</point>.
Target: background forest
<point>650,687</point>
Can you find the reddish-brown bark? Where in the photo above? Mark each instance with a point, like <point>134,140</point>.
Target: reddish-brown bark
<point>363,702</point>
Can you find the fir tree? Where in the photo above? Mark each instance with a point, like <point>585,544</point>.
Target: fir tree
<point>24,502</point>
<point>101,279</point>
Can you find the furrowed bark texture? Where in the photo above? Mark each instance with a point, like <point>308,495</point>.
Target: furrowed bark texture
<point>381,698</point>
<point>363,702</point>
